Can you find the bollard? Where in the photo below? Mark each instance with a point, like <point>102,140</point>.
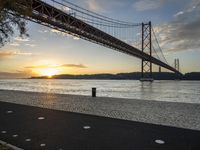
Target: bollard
<point>93,92</point>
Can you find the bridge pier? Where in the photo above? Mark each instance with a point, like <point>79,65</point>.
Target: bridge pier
<point>146,66</point>
<point>159,69</point>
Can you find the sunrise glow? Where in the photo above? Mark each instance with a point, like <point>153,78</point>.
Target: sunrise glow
<point>48,72</point>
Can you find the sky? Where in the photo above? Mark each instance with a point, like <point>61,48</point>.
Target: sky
<point>47,51</point>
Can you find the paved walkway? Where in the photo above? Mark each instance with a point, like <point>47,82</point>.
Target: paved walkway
<point>33,128</point>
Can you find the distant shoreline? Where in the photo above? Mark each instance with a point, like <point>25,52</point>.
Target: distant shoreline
<point>104,79</point>
<point>193,76</point>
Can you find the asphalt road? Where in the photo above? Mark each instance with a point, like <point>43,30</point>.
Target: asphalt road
<point>33,128</point>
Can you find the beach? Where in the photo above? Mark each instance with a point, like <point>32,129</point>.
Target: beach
<point>175,114</point>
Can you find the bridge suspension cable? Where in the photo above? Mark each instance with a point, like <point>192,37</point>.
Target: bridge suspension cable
<point>158,50</point>
<point>128,32</point>
<point>96,15</point>
<point>69,7</point>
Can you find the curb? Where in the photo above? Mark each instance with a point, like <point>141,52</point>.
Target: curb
<point>10,145</point>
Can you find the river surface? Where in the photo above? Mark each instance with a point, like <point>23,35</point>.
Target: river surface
<point>174,91</point>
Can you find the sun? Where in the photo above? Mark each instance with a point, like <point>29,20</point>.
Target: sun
<point>49,72</point>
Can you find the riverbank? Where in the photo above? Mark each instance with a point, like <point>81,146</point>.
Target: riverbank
<point>182,115</point>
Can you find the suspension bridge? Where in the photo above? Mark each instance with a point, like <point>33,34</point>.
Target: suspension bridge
<point>135,39</point>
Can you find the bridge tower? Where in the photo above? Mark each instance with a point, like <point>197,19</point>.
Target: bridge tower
<point>177,67</point>
<point>146,66</point>
<point>176,64</point>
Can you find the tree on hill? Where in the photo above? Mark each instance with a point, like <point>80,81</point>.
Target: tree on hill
<point>11,20</point>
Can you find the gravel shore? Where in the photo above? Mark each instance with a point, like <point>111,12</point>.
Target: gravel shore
<point>183,115</point>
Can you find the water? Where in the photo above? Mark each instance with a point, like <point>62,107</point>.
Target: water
<point>174,91</point>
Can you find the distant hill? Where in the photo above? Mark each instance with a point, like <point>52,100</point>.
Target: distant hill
<point>192,76</point>
<point>127,76</point>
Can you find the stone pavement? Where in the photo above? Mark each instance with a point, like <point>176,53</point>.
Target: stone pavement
<point>182,115</point>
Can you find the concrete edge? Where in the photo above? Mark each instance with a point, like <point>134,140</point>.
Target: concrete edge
<point>10,145</point>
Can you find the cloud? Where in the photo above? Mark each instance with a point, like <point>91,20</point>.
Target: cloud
<point>93,5</point>
<point>42,66</point>
<point>60,33</point>
<point>43,31</point>
<point>144,5</point>
<point>183,33</point>
<point>104,5</point>
<point>57,66</point>
<point>66,9</point>
<point>17,74</point>
<point>15,44</point>
<point>76,38</point>
<point>178,13</point>
<point>74,65</point>
<point>20,39</point>
<point>8,75</point>
<point>64,34</point>
<point>55,31</point>
<point>31,45</point>
<point>10,53</point>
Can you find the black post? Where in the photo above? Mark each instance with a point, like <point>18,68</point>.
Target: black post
<point>93,92</point>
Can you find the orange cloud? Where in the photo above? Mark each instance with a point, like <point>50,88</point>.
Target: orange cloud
<point>57,66</point>
<point>4,54</point>
<point>74,65</point>
<point>27,73</point>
